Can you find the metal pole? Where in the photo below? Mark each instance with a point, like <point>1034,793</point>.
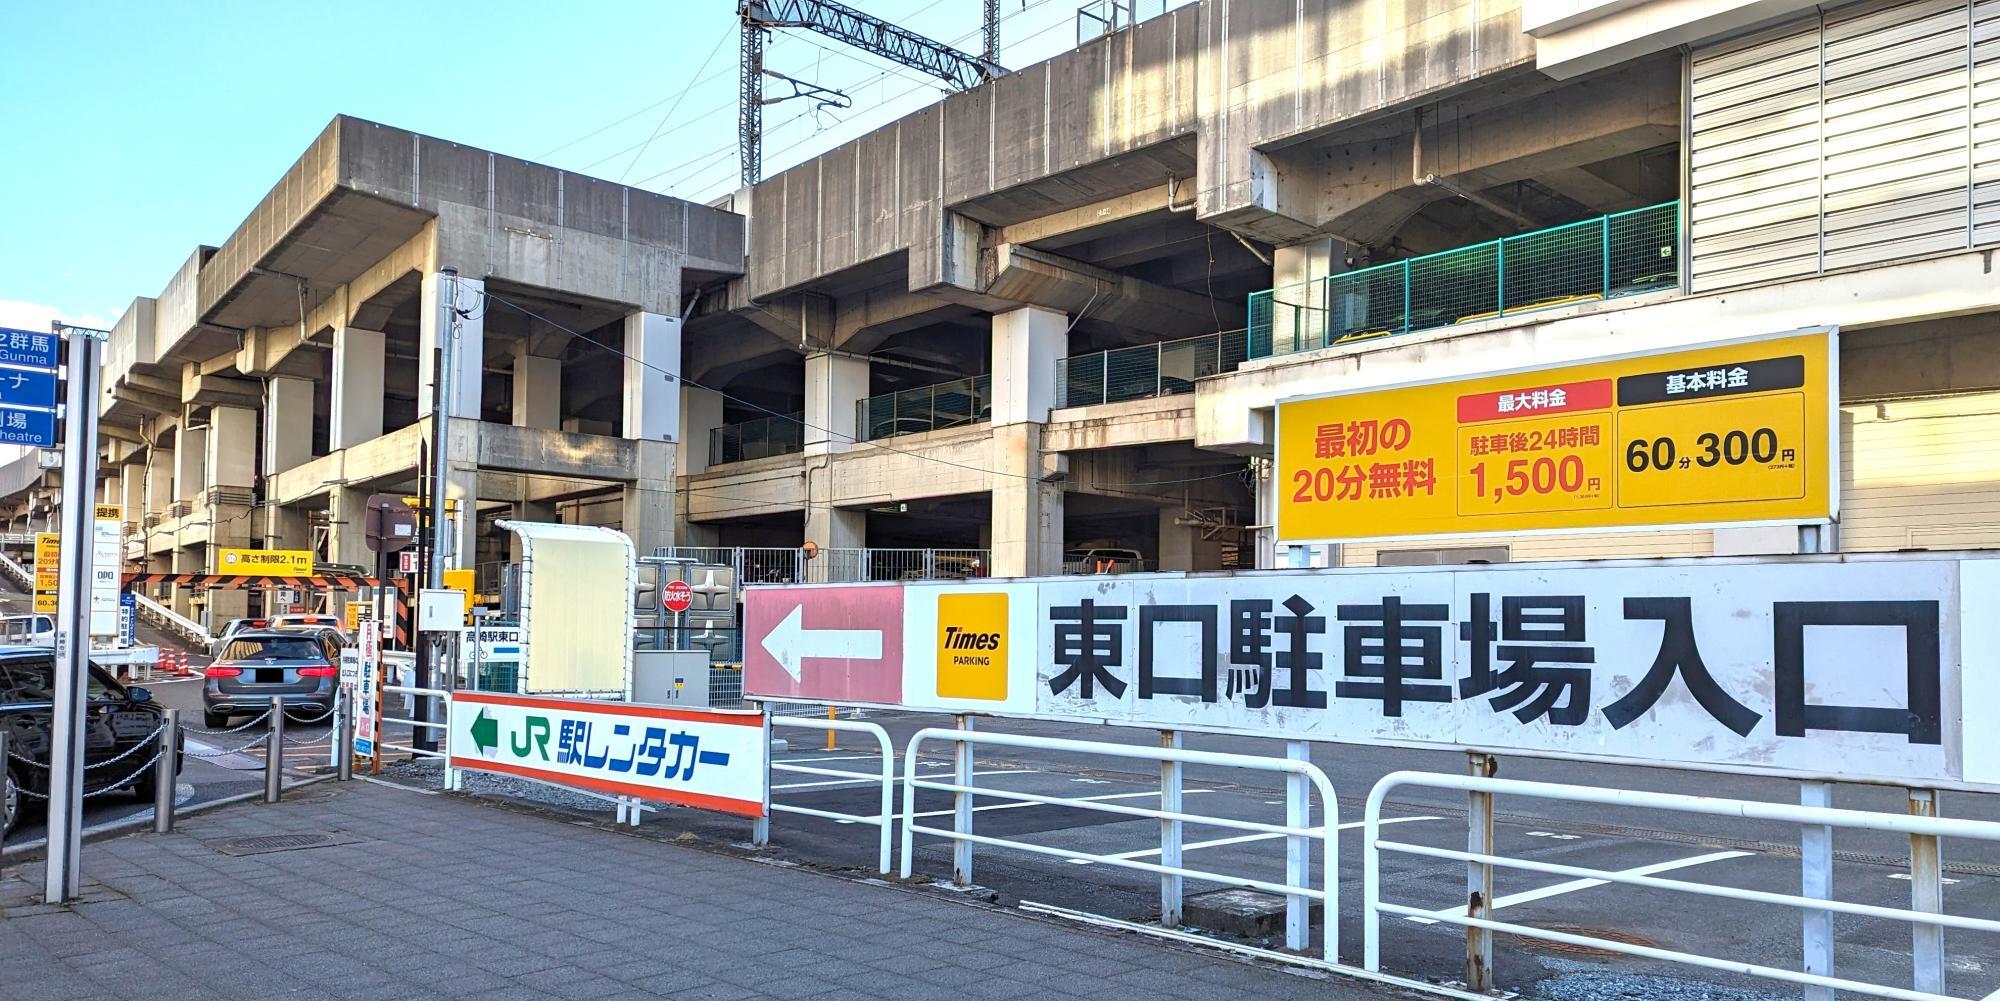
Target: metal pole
<point>1479,876</point>
<point>64,879</point>
<point>165,775</point>
<point>6,781</point>
<point>1298,852</point>
<point>1816,880</point>
<point>760,830</point>
<point>446,386</point>
<point>274,750</point>
<point>1927,896</point>
<point>961,806</point>
<point>344,744</point>
<point>1170,832</point>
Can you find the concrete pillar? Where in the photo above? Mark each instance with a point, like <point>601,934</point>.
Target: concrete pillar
<point>132,492</point>
<point>356,414</point>
<point>701,412</point>
<point>649,498</point>
<point>437,322</point>
<point>652,377</point>
<point>1027,343</point>
<point>1299,305</point>
<point>1177,542</point>
<point>288,424</point>
<point>1027,508</point>
<point>231,467</point>
<point>461,491</point>
<point>232,447</point>
<point>532,511</point>
<point>286,527</point>
<point>159,491</point>
<point>835,384</point>
<point>186,559</point>
<point>537,390</point>
<point>190,464</point>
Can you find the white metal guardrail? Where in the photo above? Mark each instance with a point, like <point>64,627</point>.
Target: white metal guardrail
<point>1298,888</point>
<point>172,621</point>
<point>1925,915</point>
<point>443,752</point>
<point>885,819</point>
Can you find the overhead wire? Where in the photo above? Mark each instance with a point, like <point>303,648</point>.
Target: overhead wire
<point>648,144</point>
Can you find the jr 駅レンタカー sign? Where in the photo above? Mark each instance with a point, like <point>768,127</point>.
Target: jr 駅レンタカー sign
<point>714,759</point>
<point>1733,433</point>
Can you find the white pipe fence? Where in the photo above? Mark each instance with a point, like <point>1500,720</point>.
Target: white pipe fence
<point>1924,877</point>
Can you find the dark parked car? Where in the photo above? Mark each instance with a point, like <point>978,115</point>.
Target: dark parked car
<point>117,720</point>
<point>300,667</point>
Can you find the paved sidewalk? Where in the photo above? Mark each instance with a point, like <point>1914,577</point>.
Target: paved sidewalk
<point>444,898</point>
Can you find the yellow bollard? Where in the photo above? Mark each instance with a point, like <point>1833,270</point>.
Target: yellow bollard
<point>830,745</point>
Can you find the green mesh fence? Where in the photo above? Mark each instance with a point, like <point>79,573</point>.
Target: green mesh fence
<point>1621,254</point>
<point>1147,370</point>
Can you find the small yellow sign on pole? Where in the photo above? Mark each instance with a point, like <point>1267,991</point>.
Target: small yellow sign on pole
<point>265,562</point>
<point>1733,433</point>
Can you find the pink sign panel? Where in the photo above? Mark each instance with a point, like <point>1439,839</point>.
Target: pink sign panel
<point>838,643</point>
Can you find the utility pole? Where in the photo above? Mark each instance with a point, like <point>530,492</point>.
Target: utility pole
<point>64,879</point>
<point>961,70</point>
<point>445,386</point>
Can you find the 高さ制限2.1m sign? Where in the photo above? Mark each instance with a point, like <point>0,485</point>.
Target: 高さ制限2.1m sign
<point>1733,433</point>
<point>708,758</point>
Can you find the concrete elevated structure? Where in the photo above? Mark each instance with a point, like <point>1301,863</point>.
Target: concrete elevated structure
<point>1013,320</point>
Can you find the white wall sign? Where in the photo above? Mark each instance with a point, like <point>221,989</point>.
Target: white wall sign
<point>1856,668</point>
<point>708,758</point>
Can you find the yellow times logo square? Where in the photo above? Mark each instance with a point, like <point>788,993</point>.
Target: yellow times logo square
<point>972,646</point>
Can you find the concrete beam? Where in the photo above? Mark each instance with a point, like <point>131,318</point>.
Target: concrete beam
<point>1056,225</point>
<point>1027,276</point>
<point>1362,192</point>
<point>202,390</point>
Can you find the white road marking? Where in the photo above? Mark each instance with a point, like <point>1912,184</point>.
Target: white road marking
<point>877,779</point>
<point>1244,839</point>
<point>1574,885</point>
<point>844,757</point>
<point>1552,834</point>
<point>1015,806</point>
<point>1905,877</point>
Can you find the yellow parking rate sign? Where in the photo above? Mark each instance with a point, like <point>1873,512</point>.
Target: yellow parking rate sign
<point>1732,433</point>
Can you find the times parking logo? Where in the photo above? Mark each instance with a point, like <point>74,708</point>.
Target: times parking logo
<point>972,646</point>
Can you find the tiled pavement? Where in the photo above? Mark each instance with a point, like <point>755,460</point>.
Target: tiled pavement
<point>446,898</point>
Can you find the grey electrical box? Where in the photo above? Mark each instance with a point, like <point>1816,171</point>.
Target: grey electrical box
<point>670,678</point>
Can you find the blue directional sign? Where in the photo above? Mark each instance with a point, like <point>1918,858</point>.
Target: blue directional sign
<point>21,387</point>
<point>34,428</point>
<point>29,349</point>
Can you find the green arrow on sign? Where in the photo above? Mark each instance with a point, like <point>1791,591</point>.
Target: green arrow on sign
<point>485,732</point>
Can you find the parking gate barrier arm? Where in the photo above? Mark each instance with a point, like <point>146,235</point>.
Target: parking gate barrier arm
<point>1327,834</point>
<point>1373,907</point>
<point>885,819</point>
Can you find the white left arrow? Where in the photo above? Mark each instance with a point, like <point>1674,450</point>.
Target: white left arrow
<point>790,643</point>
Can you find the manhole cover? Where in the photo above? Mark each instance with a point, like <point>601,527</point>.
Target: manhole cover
<point>261,844</point>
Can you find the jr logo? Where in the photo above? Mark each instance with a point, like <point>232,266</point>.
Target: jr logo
<point>972,646</point>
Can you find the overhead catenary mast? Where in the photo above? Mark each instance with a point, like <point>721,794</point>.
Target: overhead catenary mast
<point>961,70</point>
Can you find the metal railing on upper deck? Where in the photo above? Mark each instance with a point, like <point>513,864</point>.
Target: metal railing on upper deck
<point>1147,370</point>
<point>926,408</point>
<point>757,439</point>
<point>1615,255</point>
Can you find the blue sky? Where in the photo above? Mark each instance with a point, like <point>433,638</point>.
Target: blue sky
<point>133,131</point>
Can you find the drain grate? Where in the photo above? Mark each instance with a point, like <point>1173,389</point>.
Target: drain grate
<point>264,844</point>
